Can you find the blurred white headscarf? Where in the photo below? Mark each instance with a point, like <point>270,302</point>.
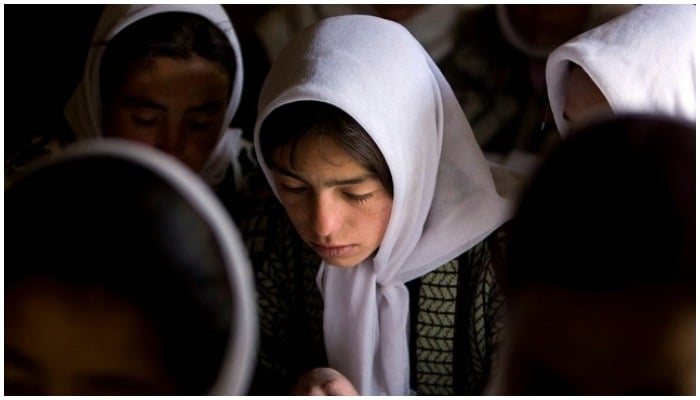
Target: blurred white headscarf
<point>238,362</point>
<point>642,61</point>
<point>84,109</point>
<point>447,197</point>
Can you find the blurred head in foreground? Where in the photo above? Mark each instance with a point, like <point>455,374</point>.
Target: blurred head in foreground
<point>123,276</point>
<point>600,276</point>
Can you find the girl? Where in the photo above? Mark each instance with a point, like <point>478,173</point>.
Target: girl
<point>131,280</point>
<point>388,279</point>
<point>640,62</point>
<point>169,76</point>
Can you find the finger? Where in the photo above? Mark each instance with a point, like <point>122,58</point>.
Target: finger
<point>316,391</point>
<point>339,387</point>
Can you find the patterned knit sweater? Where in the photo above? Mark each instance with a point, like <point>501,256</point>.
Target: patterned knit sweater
<point>455,312</point>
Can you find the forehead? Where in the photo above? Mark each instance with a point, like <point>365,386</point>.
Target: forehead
<point>313,150</point>
<point>193,76</point>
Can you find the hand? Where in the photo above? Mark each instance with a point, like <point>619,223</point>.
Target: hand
<point>323,382</point>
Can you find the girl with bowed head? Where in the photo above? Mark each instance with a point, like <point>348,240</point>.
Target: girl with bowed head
<point>396,212</point>
<point>168,76</point>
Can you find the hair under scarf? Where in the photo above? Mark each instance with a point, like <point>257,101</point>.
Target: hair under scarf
<point>642,61</point>
<point>447,197</point>
<point>84,109</point>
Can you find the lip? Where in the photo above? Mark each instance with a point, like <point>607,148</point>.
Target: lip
<point>332,251</point>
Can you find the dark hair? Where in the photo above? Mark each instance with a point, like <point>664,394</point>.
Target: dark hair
<point>106,222</point>
<point>172,34</point>
<point>287,124</point>
<point>612,207</point>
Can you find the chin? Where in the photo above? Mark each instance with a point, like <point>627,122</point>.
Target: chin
<point>343,262</point>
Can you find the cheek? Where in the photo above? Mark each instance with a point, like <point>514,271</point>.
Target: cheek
<point>116,124</point>
<point>198,146</point>
<point>297,213</point>
<point>381,219</point>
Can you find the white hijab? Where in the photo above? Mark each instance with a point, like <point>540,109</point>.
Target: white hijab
<point>84,109</point>
<point>446,195</point>
<point>642,61</point>
<point>281,23</point>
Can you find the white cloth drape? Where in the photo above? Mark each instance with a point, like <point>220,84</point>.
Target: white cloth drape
<point>642,61</point>
<point>84,109</point>
<point>447,197</point>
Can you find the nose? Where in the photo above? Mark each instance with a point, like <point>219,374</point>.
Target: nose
<point>326,217</point>
<point>170,139</point>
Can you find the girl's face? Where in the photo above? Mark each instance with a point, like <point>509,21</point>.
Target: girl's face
<point>176,105</point>
<point>63,340</point>
<point>338,207</point>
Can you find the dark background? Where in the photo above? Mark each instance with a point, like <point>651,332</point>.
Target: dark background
<point>45,50</point>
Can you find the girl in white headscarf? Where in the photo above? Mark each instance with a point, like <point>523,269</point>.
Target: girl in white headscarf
<point>169,76</point>
<point>640,62</point>
<point>365,145</point>
<point>136,265</point>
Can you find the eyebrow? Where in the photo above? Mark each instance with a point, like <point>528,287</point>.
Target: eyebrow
<point>141,102</point>
<point>16,357</point>
<point>330,183</point>
<point>206,107</point>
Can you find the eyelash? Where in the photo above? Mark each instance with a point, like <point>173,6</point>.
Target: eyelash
<point>353,197</point>
<point>147,121</point>
<point>198,125</point>
<point>359,198</point>
<point>292,189</point>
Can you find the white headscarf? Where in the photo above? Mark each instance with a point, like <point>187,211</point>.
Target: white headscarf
<point>433,25</point>
<point>445,198</point>
<point>239,359</point>
<point>84,109</point>
<point>642,61</point>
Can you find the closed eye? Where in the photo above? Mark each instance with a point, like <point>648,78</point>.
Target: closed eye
<point>293,189</point>
<point>143,120</point>
<point>199,125</point>
<point>359,198</point>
